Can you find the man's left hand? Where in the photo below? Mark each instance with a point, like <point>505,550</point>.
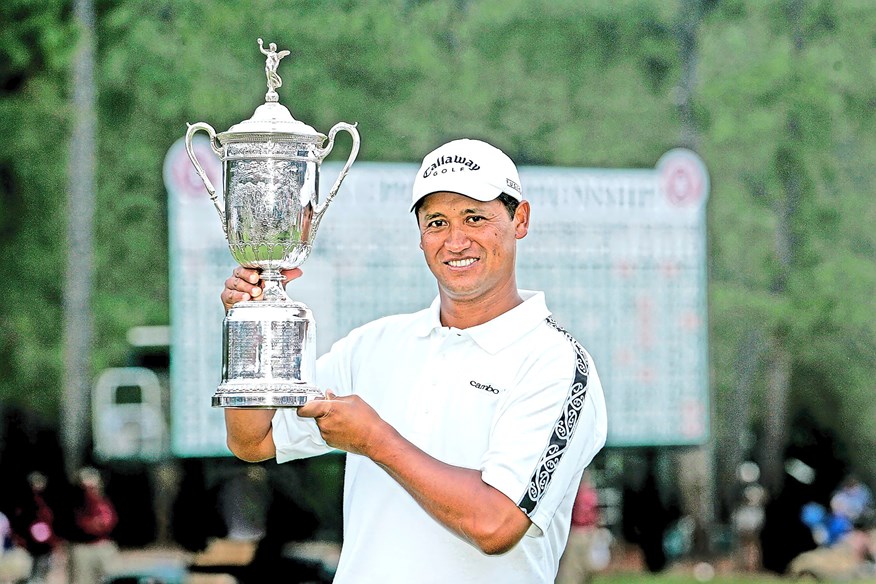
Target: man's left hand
<point>347,423</point>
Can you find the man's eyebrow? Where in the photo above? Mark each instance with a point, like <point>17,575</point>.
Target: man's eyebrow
<point>468,211</point>
<point>430,216</point>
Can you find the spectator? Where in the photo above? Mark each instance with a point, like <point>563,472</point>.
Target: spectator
<point>5,533</point>
<point>33,526</point>
<point>92,548</point>
<point>587,549</point>
<point>748,520</point>
<point>646,518</point>
<point>827,527</point>
<point>15,562</point>
<point>853,501</point>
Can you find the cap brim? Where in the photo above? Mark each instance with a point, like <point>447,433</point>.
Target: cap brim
<point>466,187</point>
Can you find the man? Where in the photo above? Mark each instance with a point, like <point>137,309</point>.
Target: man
<point>34,527</point>
<point>92,549</point>
<point>468,424</point>
<point>587,550</point>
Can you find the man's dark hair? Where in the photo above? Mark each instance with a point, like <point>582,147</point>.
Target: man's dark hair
<point>510,203</point>
<point>507,200</point>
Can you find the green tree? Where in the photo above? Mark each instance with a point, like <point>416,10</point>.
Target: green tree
<point>782,126</point>
<point>568,83</point>
<point>35,41</point>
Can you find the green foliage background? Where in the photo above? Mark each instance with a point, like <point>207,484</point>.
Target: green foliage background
<point>553,82</point>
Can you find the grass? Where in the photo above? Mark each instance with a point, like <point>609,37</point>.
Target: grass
<point>621,578</point>
<point>688,578</point>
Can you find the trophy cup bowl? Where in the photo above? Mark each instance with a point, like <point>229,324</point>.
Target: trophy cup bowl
<point>270,213</point>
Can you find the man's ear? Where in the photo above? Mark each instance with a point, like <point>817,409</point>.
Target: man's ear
<point>521,218</point>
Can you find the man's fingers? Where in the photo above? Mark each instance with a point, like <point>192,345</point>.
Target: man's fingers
<point>247,274</point>
<point>239,287</point>
<point>231,297</point>
<point>290,275</point>
<point>318,408</point>
<point>244,282</point>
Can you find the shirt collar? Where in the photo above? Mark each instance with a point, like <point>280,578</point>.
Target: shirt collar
<point>498,333</point>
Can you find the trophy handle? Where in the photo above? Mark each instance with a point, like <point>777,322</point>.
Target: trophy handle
<point>192,128</point>
<point>354,151</point>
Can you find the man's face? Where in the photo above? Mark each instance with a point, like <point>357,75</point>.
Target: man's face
<point>470,246</point>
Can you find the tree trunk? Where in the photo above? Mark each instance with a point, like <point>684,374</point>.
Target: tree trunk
<point>695,465</point>
<point>779,367</point>
<point>776,420</point>
<point>690,16</point>
<point>78,276</point>
<point>737,421</point>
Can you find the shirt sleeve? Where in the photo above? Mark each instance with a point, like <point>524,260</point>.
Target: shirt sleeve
<point>296,437</point>
<point>549,429</point>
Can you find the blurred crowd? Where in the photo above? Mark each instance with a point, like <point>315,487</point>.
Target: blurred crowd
<point>844,531</point>
<point>54,530</point>
<point>44,525</point>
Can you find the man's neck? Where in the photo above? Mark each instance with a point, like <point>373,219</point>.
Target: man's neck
<point>463,313</point>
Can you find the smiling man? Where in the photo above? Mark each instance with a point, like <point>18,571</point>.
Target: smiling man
<point>468,424</point>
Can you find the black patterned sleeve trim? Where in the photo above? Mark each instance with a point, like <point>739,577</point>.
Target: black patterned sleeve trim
<point>564,428</point>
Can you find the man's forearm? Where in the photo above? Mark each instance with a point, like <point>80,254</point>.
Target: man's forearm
<point>456,497</point>
<point>249,434</point>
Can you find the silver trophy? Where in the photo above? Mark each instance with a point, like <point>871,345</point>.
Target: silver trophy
<point>270,213</point>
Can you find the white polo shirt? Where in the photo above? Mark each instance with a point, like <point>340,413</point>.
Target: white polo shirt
<point>517,398</point>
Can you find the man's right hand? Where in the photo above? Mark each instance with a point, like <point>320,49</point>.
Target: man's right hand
<point>245,284</point>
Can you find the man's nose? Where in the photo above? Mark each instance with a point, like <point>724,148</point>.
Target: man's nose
<point>457,239</point>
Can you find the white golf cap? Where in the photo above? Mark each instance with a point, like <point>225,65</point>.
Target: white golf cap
<point>469,167</point>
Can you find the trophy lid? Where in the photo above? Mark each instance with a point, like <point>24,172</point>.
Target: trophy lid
<point>271,119</point>
<point>274,119</point>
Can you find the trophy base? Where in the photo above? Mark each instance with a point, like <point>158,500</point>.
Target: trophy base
<point>268,354</point>
<point>265,396</point>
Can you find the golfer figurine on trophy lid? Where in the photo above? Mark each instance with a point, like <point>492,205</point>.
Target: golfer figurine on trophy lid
<point>270,214</point>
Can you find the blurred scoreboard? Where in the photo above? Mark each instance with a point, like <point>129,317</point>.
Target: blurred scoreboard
<point>620,254</point>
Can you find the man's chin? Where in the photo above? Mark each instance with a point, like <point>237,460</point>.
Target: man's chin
<point>461,293</point>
